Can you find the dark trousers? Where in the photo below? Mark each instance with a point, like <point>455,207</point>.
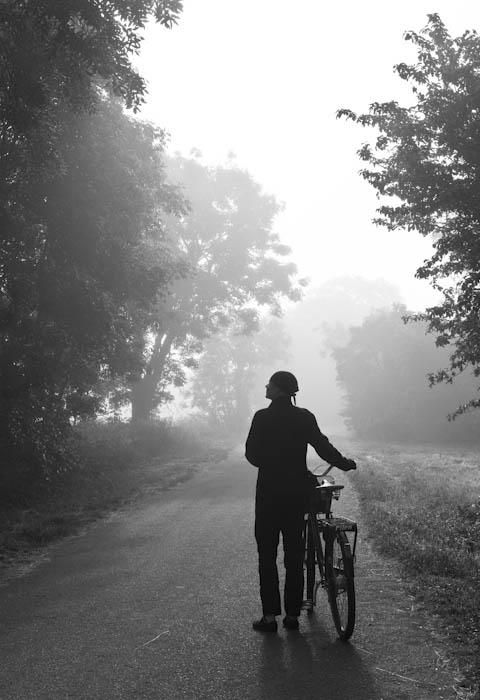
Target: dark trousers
<point>277,513</point>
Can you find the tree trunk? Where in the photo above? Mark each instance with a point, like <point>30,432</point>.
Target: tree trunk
<point>142,396</point>
<point>143,393</point>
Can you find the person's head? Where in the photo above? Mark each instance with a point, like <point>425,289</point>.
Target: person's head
<point>281,384</point>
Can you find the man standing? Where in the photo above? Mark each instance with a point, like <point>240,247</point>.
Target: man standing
<point>277,444</point>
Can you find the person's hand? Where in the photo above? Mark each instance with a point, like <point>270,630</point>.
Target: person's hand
<point>349,465</point>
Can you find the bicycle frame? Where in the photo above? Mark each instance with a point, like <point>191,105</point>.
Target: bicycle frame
<point>312,528</point>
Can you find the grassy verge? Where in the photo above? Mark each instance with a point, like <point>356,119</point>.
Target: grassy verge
<point>422,507</point>
<point>114,464</point>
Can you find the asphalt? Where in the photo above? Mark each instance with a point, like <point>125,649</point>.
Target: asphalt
<point>157,601</point>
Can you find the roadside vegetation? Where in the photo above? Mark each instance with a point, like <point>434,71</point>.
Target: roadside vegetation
<point>114,463</point>
<point>422,504</point>
<point>422,507</point>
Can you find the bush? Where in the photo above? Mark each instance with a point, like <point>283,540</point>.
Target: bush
<point>113,462</point>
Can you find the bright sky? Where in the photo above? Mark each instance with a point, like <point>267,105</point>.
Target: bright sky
<point>264,78</point>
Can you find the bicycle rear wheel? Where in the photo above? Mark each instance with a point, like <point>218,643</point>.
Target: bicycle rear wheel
<point>340,583</point>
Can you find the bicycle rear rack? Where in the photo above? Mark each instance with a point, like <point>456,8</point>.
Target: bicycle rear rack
<point>342,524</point>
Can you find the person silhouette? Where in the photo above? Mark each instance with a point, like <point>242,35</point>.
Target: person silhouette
<point>277,445</point>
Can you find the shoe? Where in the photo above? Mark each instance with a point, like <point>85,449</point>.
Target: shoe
<point>290,622</point>
<point>262,625</point>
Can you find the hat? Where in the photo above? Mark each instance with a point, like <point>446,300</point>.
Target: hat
<point>285,381</point>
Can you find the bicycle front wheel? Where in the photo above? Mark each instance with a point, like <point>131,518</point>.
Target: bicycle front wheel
<point>340,583</point>
<point>309,602</point>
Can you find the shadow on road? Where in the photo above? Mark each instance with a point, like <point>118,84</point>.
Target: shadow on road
<point>309,665</point>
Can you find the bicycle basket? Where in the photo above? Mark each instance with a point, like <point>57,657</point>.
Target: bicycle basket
<point>321,500</point>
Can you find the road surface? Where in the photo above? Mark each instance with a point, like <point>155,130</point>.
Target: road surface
<point>156,602</point>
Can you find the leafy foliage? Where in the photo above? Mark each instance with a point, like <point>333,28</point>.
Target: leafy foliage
<point>58,56</point>
<point>383,369</point>
<point>236,265</point>
<point>426,159</point>
<point>83,256</point>
<point>81,189</point>
<point>59,51</point>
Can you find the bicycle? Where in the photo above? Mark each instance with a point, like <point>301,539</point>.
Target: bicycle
<point>333,561</point>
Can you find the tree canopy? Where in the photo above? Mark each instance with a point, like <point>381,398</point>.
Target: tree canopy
<point>82,192</point>
<point>83,257</point>
<point>64,55</point>
<point>108,276</point>
<point>425,159</point>
<point>236,265</point>
<point>62,51</point>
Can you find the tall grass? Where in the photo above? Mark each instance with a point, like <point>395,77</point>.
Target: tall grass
<point>429,520</point>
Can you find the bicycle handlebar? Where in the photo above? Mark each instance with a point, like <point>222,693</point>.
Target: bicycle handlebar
<point>319,476</point>
<point>352,465</point>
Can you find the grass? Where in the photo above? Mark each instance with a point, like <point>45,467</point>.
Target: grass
<point>114,463</point>
<point>422,507</point>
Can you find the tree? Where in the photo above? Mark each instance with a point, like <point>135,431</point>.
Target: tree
<point>60,51</point>
<point>426,159</point>
<point>83,258</point>
<point>229,369</point>
<point>73,288</point>
<point>78,260</point>
<point>235,262</point>
<point>58,56</point>
<point>319,323</point>
<point>382,371</point>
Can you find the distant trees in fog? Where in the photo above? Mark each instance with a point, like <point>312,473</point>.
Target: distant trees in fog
<point>321,322</point>
<point>383,370</point>
<point>426,157</point>
<point>232,364</point>
<point>234,264</point>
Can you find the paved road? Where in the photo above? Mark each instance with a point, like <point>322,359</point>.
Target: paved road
<point>157,602</point>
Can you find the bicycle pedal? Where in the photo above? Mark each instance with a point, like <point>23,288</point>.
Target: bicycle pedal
<point>307,605</point>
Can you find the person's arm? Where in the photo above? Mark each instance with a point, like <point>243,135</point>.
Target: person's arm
<point>253,444</point>
<point>324,448</point>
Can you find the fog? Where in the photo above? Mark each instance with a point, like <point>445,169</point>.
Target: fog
<point>252,79</point>
<point>252,83</point>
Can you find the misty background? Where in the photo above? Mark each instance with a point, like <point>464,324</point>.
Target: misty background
<point>259,86</point>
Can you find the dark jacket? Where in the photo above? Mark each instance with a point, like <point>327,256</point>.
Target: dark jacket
<point>277,444</point>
